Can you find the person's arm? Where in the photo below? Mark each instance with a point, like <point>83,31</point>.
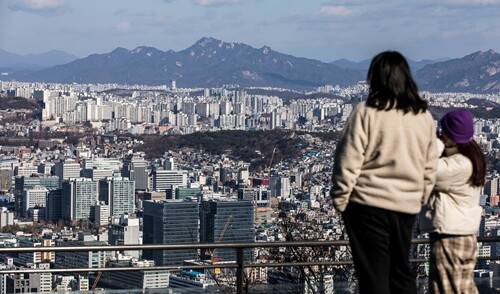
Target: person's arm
<point>436,147</point>
<point>450,168</point>
<point>349,158</point>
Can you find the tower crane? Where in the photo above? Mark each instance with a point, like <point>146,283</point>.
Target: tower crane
<point>272,158</point>
<point>97,278</point>
<point>224,229</point>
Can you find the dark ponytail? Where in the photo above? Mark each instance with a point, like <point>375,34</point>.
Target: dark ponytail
<point>472,151</point>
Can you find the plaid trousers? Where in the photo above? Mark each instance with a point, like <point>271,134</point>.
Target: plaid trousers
<point>452,262</point>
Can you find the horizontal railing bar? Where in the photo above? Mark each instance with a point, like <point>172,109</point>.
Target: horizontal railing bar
<point>206,266</point>
<point>202,246</point>
<point>119,269</point>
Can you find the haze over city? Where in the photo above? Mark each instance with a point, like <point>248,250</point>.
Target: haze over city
<point>324,30</point>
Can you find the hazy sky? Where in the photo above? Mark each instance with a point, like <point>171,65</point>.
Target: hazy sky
<point>319,29</point>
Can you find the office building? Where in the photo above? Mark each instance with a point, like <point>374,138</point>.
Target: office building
<point>145,280</point>
<point>164,179</point>
<point>53,205</point>
<point>74,259</point>
<point>124,230</point>
<point>22,183</point>
<point>97,174</point>
<point>226,220</point>
<point>170,221</point>
<point>27,258</point>
<point>135,167</point>
<point>35,197</point>
<point>191,281</point>
<point>29,283</point>
<point>491,186</point>
<point>66,169</point>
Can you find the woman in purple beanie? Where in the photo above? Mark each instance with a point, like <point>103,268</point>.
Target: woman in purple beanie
<point>452,214</point>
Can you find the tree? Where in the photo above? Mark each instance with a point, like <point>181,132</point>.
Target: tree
<point>295,226</point>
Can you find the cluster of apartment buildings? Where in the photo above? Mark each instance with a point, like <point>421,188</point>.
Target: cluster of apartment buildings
<point>84,197</point>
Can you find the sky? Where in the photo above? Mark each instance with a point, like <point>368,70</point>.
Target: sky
<point>326,30</point>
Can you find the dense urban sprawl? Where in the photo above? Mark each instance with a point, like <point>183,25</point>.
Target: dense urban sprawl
<point>101,189</point>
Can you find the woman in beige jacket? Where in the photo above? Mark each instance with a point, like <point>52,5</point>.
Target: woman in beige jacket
<point>384,171</point>
<point>452,214</point>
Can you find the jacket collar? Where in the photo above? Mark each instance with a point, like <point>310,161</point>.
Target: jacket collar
<point>450,151</point>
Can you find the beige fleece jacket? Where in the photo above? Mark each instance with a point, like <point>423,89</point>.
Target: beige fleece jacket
<point>385,159</point>
<point>455,208</point>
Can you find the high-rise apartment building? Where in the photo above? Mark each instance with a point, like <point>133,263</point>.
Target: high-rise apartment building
<point>6,217</point>
<point>78,196</point>
<point>279,186</point>
<point>491,186</point>
<point>101,214</point>
<point>119,194</point>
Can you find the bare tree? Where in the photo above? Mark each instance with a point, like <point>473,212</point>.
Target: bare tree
<point>314,278</point>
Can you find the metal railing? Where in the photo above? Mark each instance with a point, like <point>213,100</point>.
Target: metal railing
<point>239,264</point>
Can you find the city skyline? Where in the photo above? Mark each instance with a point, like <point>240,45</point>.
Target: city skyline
<point>324,30</point>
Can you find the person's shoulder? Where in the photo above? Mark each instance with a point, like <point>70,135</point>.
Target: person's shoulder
<point>426,115</point>
<point>359,106</point>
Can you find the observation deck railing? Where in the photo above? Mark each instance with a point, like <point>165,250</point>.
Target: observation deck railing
<point>240,264</point>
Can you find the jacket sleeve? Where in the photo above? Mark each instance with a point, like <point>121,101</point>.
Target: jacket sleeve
<point>449,169</point>
<point>430,168</point>
<point>349,158</point>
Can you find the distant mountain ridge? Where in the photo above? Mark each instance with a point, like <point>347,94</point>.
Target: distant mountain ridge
<point>365,64</point>
<point>207,63</point>
<point>478,72</point>
<point>51,58</point>
<point>212,63</point>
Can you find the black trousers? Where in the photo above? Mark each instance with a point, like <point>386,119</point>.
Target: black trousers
<point>380,242</point>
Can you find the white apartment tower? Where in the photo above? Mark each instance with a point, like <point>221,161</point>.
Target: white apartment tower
<point>119,194</point>
<point>78,196</point>
<point>34,197</point>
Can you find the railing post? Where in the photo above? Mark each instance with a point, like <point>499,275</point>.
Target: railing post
<point>239,270</point>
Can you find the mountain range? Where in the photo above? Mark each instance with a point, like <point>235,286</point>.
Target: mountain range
<point>13,61</point>
<point>211,63</point>
<point>364,64</point>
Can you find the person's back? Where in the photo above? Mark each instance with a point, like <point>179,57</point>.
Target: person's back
<point>395,148</point>
<point>384,170</point>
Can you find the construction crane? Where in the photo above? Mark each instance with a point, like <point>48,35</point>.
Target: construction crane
<point>226,225</point>
<point>272,158</point>
<point>4,184</point>
<point>99,275</point>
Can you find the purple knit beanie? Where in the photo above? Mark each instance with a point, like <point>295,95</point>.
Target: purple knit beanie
<point>458,125</point>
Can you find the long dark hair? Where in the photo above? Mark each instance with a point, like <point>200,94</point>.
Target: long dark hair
<point>391,84</point>
<point>472,151</point>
